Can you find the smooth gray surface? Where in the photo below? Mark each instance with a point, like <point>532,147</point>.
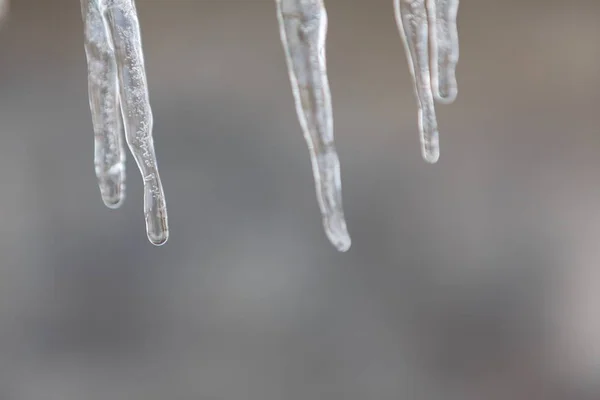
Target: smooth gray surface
<point>475,278</point>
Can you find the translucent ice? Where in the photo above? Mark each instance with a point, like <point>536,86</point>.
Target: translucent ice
<point>444,55</point>
<point>428,29</point>
<point>118,95</point>
<point>303,27</point>
<point>119,102</point>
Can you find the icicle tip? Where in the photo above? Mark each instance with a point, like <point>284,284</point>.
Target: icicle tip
<point>337,233</point>
<point>159,239</point>
<point>431,155</point>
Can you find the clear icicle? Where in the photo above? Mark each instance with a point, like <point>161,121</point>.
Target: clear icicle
<point>103,87</point>
<point>118,89</point>
<point>430,26</point>
<point>444,55</point>
<point>303,27</point>
<point>411,16</point>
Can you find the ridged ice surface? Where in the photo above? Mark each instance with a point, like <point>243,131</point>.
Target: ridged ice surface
<point>429,32</point>
<point>118,94</point>
<point>303,27</point>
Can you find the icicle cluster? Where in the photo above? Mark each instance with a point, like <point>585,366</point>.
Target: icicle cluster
<point>428,28</point>
<point>118,95</point>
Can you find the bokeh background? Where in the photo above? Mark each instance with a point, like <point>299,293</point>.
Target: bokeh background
<point>476,278</point>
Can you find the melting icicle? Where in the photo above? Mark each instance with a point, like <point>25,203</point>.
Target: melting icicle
<point>118,90</point>
<point>303,27</point>
<point>428,29</point>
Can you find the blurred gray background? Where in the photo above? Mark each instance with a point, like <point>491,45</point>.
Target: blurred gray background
<point>476,278</point>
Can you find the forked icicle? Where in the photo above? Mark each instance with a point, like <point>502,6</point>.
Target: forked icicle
<point>118,89</point>
<point>428,30</point>
<point>303,27</point>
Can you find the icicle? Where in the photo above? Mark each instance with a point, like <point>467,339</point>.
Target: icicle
<point>118,89</point>
<point>303,27</point>
<point>103,85</point>
<point>444,56</point>
<point>430,26</point>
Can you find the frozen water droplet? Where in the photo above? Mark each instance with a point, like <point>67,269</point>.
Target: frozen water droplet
<point>303,27</point>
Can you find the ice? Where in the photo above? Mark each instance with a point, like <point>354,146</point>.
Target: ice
<point>445,51</point>
<point>303,27</point>
<point>428,29</point>
<point>118,94</point>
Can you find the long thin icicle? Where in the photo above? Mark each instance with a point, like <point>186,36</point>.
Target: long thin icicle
<point>303,27</point>
<point>428,30</point>
<point>444,56</point>
<point>103,87</point>
<point>118,89</point>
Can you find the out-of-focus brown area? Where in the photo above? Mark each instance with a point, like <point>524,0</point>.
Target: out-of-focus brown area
<point>476,278</point>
